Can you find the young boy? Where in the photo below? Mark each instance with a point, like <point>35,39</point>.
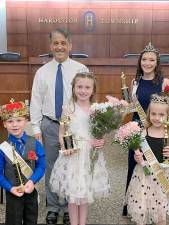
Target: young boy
<point>22,164</point>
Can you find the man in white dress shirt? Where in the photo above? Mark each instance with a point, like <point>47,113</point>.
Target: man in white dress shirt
<point>42,110</point>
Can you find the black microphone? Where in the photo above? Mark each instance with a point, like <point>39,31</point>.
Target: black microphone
<point>10,57</point>
<point>78,55</point>
<point>164,58</point>
<point>72,55</point>
<point>131,55</point>
<point>50,55</point>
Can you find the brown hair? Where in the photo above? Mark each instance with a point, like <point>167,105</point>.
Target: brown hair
<point>64,32</point>
<point>157,71</point>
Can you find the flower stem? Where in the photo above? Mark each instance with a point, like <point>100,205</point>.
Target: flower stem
<point>93,158</point>
<point>146,171</point>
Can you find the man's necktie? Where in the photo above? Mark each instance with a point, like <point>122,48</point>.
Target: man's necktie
<point>58,92</point>
<point>21,147</point>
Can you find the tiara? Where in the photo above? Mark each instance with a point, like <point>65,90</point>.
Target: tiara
<point>159,99</point>
<point>83,70</point>
<point>13,109</point>
<point>85,73</point>
<point>150,48</point>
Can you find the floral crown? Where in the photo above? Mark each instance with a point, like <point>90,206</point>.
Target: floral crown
<point>13,109</point>
<point>162,99</point>
<point>150,48</point>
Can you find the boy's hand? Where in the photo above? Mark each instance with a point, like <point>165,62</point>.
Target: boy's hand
<point>38,137</point>
<point>166,151</point>
<point>17,191</point>
<point>29,187</point>
<point>138,156</point>
<point>98,143</point>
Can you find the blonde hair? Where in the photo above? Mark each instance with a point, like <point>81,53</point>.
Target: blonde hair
<point>157,99</point>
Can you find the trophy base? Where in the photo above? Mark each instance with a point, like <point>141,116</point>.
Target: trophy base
<point>68,142</point>
<point>165,163</point>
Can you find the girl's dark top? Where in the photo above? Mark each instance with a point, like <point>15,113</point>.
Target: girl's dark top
<point>145,89</point>
<point>156,145</point>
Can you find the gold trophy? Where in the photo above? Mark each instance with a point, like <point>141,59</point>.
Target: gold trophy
<point>18,172</point>
<point>166,140</point>
<point>126,97</point>
<point>124,88</point>
<point>68,140</point>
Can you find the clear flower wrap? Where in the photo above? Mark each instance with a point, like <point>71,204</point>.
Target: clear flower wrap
<point>129,136</point>
<point>104,118</point>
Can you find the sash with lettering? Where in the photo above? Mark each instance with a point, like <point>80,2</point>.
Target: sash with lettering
<point>6,148</point>
<point>148,153</point>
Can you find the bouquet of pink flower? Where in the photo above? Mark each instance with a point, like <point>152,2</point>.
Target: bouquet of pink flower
<point>104,118</point>
<point>129,137</point>
<point>166,91</point>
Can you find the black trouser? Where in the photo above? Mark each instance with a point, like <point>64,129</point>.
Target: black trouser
<point>21,210</point>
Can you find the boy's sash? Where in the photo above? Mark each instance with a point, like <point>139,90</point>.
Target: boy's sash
<point>6,148</point>
<point>148,153</point>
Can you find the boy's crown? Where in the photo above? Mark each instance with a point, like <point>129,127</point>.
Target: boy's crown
<point>159,99</point>
<point>13,109</point>
<point>150,48</point>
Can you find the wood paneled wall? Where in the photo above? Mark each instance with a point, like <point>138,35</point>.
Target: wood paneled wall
<point>107,40</point>
<point>14,83</point>
<point>16,78</point>
<point>133,25</point>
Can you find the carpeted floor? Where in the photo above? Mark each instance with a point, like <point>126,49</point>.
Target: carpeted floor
<point>105,211</point>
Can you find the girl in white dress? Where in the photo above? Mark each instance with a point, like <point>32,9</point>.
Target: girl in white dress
<point>71,177</point>
<point>147,203</point>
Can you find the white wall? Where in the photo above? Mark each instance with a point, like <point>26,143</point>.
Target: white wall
<point>3,30</point>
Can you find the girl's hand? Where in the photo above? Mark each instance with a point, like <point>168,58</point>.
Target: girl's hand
<point>68,152</point>
<point>138,156</point>
<point>166,151</point>
<point>98,143</point>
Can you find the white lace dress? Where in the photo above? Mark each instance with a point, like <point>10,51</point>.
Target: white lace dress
<point>71,177</point>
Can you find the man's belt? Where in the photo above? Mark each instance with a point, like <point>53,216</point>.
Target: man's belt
<point>148,153</point>
<point>6,148</point>
<point>55,121</point>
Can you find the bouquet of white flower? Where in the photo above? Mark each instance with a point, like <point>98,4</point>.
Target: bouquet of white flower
<point>104,118</point>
